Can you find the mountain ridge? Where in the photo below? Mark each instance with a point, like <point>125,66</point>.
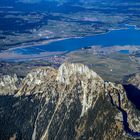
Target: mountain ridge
<point>72,102</point>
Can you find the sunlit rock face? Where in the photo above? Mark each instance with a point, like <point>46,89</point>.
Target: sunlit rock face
<point>8,84</point>
<point>71,103</point>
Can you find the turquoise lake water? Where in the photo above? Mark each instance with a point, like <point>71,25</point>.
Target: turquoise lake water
<point>129,36</point>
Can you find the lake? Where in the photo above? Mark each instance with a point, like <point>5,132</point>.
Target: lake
<point>128,36</point>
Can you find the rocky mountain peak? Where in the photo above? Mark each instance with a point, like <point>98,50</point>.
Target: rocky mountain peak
<point>67,70</point>
<point>72,103</point>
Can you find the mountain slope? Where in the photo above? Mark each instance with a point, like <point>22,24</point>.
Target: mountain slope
<point>71,103</point>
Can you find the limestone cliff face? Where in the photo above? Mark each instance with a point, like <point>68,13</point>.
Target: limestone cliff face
<point>71,103</point>
<point>8,84</point>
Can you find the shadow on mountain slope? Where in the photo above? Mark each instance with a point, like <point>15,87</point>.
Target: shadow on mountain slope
<point>133,94</point>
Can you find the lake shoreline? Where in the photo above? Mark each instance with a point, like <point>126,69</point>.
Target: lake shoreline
<point>46,42</point>
<point>115,37</point>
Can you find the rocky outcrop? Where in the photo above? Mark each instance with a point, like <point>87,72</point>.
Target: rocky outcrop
<point>134,80</point>
<point>71,103</point>
<point>8,84</point>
